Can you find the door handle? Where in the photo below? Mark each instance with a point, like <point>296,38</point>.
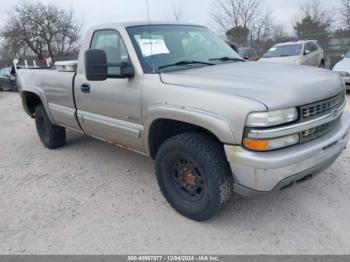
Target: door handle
<point>85,88</point>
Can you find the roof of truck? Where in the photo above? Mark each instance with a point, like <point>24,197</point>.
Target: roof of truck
<point>142,23</point>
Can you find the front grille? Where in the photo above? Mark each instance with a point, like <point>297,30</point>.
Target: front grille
<point>313,133</point>
<point>316,109</point>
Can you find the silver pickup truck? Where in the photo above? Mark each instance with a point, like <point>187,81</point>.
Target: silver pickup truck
<point>214,123</point>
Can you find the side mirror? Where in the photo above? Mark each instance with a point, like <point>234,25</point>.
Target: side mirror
<point>96,66</point>
<point>306,52</point>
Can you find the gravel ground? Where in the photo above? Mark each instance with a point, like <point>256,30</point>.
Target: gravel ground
<point>90,197</point>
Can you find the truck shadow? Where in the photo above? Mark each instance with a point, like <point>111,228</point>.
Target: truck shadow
<point>239,210</point>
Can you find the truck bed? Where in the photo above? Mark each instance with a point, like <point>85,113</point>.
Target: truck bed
<point>55,86</point>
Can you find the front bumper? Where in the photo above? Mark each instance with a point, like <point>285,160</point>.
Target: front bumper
<point>262,172</point>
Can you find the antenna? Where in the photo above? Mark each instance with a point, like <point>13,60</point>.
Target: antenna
<point>148,12</point>
<point>149,30</point>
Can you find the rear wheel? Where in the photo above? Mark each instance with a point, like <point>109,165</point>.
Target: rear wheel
<point>14,87</point>
<point>51,136</point>
<point>193,175</point>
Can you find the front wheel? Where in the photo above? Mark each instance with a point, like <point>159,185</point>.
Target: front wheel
<point>194,175</point>
<point>51,136</point>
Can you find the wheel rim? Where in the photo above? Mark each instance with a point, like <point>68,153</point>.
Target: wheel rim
<point>186,179</point>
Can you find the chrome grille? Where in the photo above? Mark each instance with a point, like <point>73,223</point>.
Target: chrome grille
<point>318,131</point>
<point>316,109</point>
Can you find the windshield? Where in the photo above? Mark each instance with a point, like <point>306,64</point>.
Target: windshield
<point>287,50</point>
<point>174,47</point>
<point>5,71</point>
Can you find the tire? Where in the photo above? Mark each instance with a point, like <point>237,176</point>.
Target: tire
<point>14,87</point>
<point>322,65</point>
<point>51,136</point>
<point>194,175</point>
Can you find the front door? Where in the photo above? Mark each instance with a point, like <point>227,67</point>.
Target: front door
<point>110,109</point>
<point>312,57</point>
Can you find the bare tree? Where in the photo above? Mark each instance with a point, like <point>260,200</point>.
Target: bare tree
<point>316,12</point>
<point>41,27</point>
<point>265,32</point>
<point>235,13</point>
<point>344,14</point>
<point>314,22</point>
<point>231,15</point>
<point>178,11</point>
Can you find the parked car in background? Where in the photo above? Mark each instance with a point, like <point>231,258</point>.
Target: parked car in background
<point>343,68</point>
<point>8,79</point>
<point>249,54</point>
<point>306,52</point>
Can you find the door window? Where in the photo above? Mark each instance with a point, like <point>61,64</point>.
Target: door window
<point>111,42</point>
<point>312,47</point>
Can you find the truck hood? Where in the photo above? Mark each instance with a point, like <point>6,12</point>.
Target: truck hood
<point>276,86</point>
<point>281,60</point>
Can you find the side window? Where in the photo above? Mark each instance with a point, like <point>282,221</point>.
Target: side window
<point>313,47</point>
<point>111,42</point>
<point>307,47</point>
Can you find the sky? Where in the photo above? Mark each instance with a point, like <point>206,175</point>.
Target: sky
<point>92,12</point>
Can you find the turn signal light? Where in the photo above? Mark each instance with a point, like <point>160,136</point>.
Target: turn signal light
<point>256,145</point>
<point>271,144</point>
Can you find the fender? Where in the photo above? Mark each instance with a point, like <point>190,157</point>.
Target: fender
<point>214,123</point>
<point>40,93</point>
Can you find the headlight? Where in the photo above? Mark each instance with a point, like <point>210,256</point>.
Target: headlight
<point>273,118</point>
<point>344,74</point>
<point>271,144</point>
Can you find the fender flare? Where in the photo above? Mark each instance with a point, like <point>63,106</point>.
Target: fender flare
<point>214,123</point>
<point>40,93</point>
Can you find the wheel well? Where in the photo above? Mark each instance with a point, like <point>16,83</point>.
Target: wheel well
<point>30,102</point>
<point>163,129</point>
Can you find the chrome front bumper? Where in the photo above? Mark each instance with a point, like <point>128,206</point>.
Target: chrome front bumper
<point>256,173</point>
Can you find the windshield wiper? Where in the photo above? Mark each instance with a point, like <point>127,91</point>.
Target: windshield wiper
<point>227,58</point>
<point>185,62</point>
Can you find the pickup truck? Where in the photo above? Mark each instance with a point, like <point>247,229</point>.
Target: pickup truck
<point>214,123</point>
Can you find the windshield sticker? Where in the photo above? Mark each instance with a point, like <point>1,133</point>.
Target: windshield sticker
<point>153,47</point>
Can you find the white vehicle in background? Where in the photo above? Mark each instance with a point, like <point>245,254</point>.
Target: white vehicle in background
<point>306,52</point>
<point>343,68</point>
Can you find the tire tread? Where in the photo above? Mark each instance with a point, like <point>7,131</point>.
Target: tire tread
<point>210,151</point>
